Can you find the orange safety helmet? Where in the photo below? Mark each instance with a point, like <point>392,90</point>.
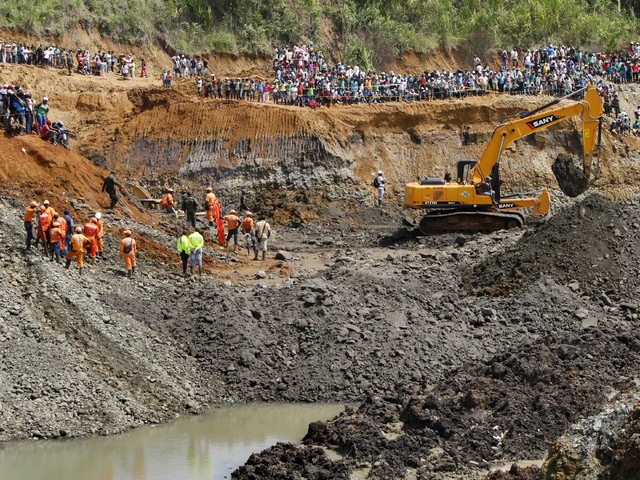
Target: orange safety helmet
<point>127,233</point>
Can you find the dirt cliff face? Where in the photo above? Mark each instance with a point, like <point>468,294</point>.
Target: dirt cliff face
<point>470,351</point>
<point>330,153</point>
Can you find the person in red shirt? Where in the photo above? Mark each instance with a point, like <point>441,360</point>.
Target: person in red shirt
<point>47,132</point>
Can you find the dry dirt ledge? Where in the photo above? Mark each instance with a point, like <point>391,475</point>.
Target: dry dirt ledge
<point>467,353</point>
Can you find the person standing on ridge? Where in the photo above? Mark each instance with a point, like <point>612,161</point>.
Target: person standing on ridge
<point>184,251</point>
<point>379,184</point>
<point>109,186</point>
<point>196,242</point>
<point>32,210</point>
<point>42,110</point>
<point>190,205</point>
<point>128,252</point>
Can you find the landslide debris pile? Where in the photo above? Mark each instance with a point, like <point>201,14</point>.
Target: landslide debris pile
<point>455,382</point>
<point>505,409</point>
<point>593,244</point>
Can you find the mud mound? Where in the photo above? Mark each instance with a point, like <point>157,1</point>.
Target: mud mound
<point>293,463</point>
<point>508,407</point>
<point>593,245</point>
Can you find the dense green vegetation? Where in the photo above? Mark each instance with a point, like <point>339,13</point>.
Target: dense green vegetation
<point>364,31</point>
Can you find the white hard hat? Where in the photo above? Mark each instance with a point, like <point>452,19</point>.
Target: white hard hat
<point>379,172</point>
<point>98,215</point>
<point>45,99</point>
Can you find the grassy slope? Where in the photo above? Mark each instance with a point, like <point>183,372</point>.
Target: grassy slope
<point>367,32</point>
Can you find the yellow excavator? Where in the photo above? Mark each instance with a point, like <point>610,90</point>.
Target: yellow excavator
<point>473,203</point>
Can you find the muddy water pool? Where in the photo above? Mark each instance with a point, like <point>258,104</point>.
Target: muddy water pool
<point>208,446</point>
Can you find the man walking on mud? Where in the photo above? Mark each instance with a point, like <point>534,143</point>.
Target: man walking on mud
<point>109,186</point>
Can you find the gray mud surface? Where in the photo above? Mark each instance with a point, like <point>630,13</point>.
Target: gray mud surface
<point>458,354</point>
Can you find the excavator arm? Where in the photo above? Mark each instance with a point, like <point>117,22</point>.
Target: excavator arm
<point>538,120</point>
<point>475,204</point>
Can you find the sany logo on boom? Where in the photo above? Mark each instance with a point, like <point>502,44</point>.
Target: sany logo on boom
<point>542,121</point>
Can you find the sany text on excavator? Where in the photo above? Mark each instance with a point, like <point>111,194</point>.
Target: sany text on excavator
<point>473,203</point>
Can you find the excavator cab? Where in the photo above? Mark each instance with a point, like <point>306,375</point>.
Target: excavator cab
<point>465,177</point>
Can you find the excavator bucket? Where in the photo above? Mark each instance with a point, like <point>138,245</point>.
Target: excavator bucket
<point>544,204</point>
<point>571,179</point>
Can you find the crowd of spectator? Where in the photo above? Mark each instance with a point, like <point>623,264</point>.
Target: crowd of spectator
<point>20,114</point>
<point>73,60</point>
<point>303,77</point>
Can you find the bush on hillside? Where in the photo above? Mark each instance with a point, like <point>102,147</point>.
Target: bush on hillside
<point>367,31</point>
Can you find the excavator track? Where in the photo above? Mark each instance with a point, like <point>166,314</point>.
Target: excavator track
<point>470,222</point>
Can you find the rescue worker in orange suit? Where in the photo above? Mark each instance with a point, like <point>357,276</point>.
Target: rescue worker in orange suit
<point>63,228</point>
<point>208,205</point>
<point>217,212</point>
<point>55,236</point>
<point>50,211</point>
<point>248,226</point>
<point>77,248</point>
<point>128,253</point>
<point>100,236</point>
<point>167,203</point>
<point>233,222</point>
<point>32,210</point>
<point>43,229</point>
<point>91,232</point>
